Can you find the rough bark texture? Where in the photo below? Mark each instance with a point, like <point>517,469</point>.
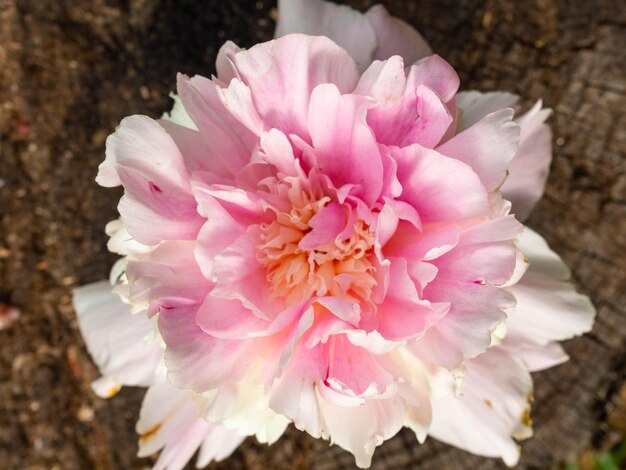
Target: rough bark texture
<point>70,70</point>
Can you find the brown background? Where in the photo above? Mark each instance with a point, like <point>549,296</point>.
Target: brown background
<point>70,70</point>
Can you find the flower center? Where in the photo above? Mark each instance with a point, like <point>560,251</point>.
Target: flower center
<point>339,267</point>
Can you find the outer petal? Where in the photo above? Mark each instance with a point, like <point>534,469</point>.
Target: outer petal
<point>436,74</point>
<point>475,105</point>
<point>168,421</point>
<point>360,429</point>
<point>493,408</point>
<point>157,204</point>
<point>118,342</point>
<point>548,307</point>
<point>226,71</point>
<point>121,242</point>
<point>244,407</point>
<point>282,74</point>
<point>528,171</point>
<point>395,37</point>
<point>349,28</point>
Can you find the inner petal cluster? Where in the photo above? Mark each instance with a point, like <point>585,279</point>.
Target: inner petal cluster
<point>316,247</point>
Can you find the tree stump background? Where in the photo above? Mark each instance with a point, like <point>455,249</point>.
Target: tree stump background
<point>70,70</point>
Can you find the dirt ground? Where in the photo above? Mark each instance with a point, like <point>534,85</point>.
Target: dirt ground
<point>70,70</point>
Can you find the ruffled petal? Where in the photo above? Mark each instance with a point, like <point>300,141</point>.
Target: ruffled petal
<point>282,74</point>
<point>407,111</point>
<point>166,278</point>
<point>344,147</point>
<point>469,279</point>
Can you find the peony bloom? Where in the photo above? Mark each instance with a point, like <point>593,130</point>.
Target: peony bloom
<point>329,234</point>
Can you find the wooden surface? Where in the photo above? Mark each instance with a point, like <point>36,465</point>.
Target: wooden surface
<point>70,70</point>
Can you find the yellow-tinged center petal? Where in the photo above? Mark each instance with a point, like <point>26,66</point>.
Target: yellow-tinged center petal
<point>340,268</point>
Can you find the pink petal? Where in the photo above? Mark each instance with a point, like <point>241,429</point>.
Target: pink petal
<point>488,147</point>
<point>369,377</point>
<point>228,319</point>
<point>226,71</point>
<point>166,278</point>
<point>345,149</point>
<point>241,276</point>
<point>434,185</point>
<point>282,74</point>
<point>277,151</point>
<point>436,74</point>
<point>403,314</point>
<point>326,226</point>
<point>219,231</point>
<point>348,28</point>
<point>433,241</point>
<point>407,111</point>
<point>157,204</point>
<point>197,360</point>
<point>228,141</point>
<point>465,331</point>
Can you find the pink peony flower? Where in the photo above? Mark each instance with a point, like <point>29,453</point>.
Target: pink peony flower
<point>328,234</point>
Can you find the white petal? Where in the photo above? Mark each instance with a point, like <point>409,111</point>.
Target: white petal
<point>475,105</point>
<point>493,407</point>
<point>528,171</point>
<point>348,28</point>
<point>116,339</point>
<point>548,306</point>
<point>178,114</point>
<point>168,421</point>
<point>396,37</point>
<point>360,429</point>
